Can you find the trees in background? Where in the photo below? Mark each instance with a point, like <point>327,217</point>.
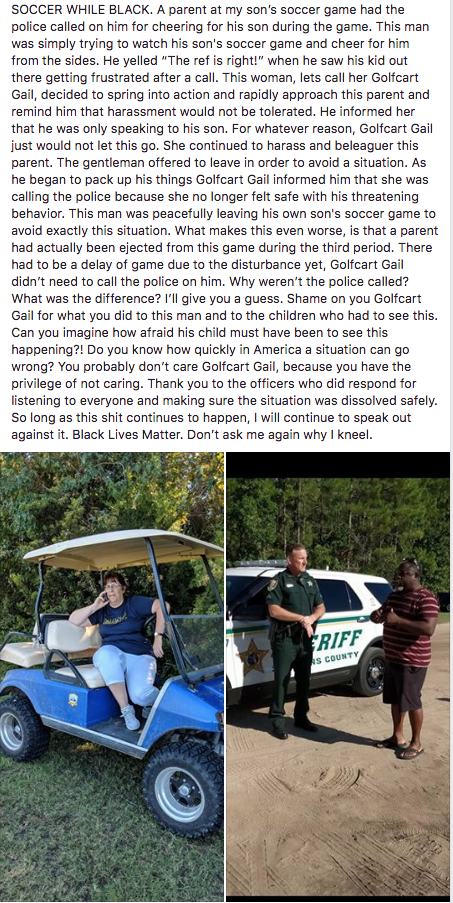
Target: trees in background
<point>362,525</point>
<point>47,497</point>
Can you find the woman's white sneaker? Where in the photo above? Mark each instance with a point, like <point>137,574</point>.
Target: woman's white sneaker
<point>132,723</point>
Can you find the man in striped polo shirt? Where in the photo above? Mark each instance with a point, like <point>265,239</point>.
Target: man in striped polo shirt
<point>409,616</point>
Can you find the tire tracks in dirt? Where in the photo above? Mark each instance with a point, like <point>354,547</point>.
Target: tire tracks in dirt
<point>330,815</point>
<point>379,868</point>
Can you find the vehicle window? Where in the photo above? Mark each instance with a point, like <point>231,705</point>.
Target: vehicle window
<point>355,603</point>
<point>334,594</point>
<point>252,607</point>
<point>236,585</point>
<point>381,591</point>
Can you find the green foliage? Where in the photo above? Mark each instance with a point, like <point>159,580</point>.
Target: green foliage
<point>252,514</point>
<point>49,497</point>
<point>362,525</point>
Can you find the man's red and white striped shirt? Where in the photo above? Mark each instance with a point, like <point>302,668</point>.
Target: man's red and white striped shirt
<point>400,646</point>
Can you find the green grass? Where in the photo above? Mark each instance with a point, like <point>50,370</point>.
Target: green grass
<point>444,617</point>
<point>74,826</point>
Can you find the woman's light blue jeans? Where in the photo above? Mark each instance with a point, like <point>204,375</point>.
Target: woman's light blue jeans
<point>137,671</point>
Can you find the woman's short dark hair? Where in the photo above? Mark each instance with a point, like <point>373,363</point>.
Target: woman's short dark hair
<point>115,575</point>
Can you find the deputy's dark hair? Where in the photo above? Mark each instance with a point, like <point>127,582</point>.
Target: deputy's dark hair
<point>294,547</point>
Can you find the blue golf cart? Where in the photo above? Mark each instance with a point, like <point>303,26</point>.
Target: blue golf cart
<point>55,686</point>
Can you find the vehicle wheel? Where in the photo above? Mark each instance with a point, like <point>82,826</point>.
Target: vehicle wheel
<point>369,679</point>
<point>183,788</point>
<point>23,736</point>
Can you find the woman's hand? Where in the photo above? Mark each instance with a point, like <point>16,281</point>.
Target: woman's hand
<point>101,601</point>
<point>81,616</point>
<point>157,647</point>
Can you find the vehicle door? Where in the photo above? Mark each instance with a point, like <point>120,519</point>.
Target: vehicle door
<point>345,630</point>
<point>248,655</point>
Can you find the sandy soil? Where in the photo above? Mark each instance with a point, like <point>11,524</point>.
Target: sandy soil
<point>328,814</point>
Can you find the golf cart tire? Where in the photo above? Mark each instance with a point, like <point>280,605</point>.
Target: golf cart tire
<point>370,675</point>
<point>183,788</point>
<point>23,736</point>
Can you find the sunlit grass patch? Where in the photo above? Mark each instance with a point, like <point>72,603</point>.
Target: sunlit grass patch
<point>75,827</point>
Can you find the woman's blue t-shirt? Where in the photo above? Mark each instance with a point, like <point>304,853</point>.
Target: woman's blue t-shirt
<point>122,626</point>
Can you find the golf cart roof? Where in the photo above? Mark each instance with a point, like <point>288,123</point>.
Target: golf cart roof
<point>123,548</point>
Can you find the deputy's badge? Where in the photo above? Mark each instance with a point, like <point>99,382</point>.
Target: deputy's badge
<point>252,658</point>
<point>309,583</point>
<point>271,585</point>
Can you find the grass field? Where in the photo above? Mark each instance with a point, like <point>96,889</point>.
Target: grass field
<point>74,826</point>
<point>444,617</point>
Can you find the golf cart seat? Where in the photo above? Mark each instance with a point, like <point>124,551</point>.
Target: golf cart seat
<point>24,655</point>
<point>91,675</point>
<point>31,653</point>
<point>62,636</point>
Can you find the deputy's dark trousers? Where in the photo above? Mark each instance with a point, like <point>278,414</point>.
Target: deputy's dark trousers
<point>289,655</point>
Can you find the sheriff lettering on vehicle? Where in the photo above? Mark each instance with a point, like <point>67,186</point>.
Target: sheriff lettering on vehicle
<point>294,604</point>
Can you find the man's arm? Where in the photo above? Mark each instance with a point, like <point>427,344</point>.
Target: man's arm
<point>317,613</point>
<point>379,615</point>
<point>282,614</point>
<point>423,627</point>
<point>319,609</point>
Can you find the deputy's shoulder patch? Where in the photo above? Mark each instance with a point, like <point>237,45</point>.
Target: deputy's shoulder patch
<point>271,585</point>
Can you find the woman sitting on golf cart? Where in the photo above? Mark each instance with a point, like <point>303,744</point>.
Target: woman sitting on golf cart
<point>125,659</point>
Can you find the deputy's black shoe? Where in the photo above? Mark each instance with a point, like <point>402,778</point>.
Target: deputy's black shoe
<point>305,725</point>
<point>280,734</point>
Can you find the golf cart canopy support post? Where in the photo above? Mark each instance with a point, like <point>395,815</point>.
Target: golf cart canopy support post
<point>213,583</point>
<point>38,598</point>
<point>171,633</point>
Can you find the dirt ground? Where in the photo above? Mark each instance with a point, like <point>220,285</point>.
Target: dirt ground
<point>329,814</point>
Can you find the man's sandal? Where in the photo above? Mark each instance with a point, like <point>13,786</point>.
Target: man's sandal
<point>409,753</point>
<point>390,744</point>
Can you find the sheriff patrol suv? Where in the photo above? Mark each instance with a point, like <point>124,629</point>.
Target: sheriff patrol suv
<point>347,645</point>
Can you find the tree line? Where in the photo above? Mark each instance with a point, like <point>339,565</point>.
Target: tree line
<point>362,525</point>
<point>49,497</point>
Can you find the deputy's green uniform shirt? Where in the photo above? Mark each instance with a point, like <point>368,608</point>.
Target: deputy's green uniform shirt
<point>296,594</point>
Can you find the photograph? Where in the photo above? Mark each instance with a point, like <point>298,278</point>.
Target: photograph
<point>337,677</point>
<point>112,676</point>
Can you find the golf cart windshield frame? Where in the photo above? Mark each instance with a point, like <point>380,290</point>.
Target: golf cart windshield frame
<point>190,675</point>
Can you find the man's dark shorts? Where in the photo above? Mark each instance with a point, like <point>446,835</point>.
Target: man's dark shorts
<point>403,686</point>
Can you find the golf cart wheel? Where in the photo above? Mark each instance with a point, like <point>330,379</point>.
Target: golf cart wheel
<point>369,679</point>
<point>183,788</point>
<point>22,734</point>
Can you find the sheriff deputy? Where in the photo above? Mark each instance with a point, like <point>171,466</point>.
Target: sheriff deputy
<point>295,604</point>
